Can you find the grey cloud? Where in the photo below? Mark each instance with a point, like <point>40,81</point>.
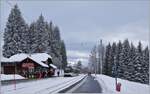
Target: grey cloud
<point>83,24</point>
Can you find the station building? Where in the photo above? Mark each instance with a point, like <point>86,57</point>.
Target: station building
<point>33,65</point>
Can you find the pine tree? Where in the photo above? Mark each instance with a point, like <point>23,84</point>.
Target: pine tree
<point>15,35</point>
<point>93,60</point>
<point>41,34</point>
<point>146,65</point>
<point>131,63</point>
<point>56,34</point>
<point>125,58</point>
<point>32,43</point>
<point>39,37</point>
<point>63,54</point>
<point>50,37</point>
<point>79,66</point>
<point>118,59</point>
<point>138,64</point>
<point>56,47</point>
<point>113,58</point>
<point>107,69</point>
<point>100,52</point>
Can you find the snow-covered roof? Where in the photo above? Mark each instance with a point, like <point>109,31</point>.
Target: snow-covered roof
<point>18,57</point>
<point>3,59</point>
<point>37,57</point>
<point>40,56</point>
<point>53,66</point>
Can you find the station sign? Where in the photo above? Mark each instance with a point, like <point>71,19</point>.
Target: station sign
<point>28,65</point>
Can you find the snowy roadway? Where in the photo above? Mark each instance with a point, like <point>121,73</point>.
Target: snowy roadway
<point>106,85</point>
<point>88,85</point>
<point>96,84</point>
<point>46,86</point>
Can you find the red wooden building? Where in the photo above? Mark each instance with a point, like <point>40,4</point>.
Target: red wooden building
<point>34,65</point>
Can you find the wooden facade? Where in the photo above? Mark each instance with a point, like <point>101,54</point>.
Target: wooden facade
<point>27,68</point>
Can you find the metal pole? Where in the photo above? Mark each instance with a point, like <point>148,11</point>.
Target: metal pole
<point>101,56</point>
<point>95,64</point>
<point>14,82</point>
<point>95,68</point>
<point>116,81</point>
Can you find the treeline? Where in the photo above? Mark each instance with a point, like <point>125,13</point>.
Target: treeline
<point>124,60</point>
<point>38,37</point>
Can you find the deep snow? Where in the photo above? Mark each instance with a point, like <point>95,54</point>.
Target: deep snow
<point>127,87</point>
<point>55,84</point>
<point>11,77</point>
<point>44,86</point>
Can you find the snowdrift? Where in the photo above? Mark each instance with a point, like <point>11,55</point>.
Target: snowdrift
<point>11,77</point>
<point>127,87</point>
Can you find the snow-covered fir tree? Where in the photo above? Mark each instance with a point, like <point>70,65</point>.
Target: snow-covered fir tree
<point>56,47</point>
<point>32,38</point>
<point>131,68</point>
<point>146,65</point>
<point>93,59</point>
<point>64,55</point>
<point>100,52</point>
<point>113,58</point>
<point>41,35</point>
<point>107,66</point>
<point>125,58</point>
<point>138,64</point>
<point>49,46</point>
<point>132,63</point>
<point>15,35</point>
<point>118,59</point>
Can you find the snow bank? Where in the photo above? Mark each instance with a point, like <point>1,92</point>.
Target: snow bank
<point>43,86</point>
<point>11,77</point>
<point>127,87</point>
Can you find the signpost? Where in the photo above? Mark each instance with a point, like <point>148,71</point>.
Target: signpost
<point>28,65</point>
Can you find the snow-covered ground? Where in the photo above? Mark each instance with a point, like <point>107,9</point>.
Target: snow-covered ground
<point>45,86</point>
<point>61,72</point>
<point>127,87</point>
<point>11,77</point>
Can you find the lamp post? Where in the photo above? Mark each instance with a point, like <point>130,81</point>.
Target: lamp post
<point>95,68</point>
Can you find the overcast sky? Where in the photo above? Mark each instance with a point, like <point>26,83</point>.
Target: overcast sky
<point>83,23</point>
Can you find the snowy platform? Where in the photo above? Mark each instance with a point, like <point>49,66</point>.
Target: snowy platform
<point>10,77</point>
<point>45,86</point>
